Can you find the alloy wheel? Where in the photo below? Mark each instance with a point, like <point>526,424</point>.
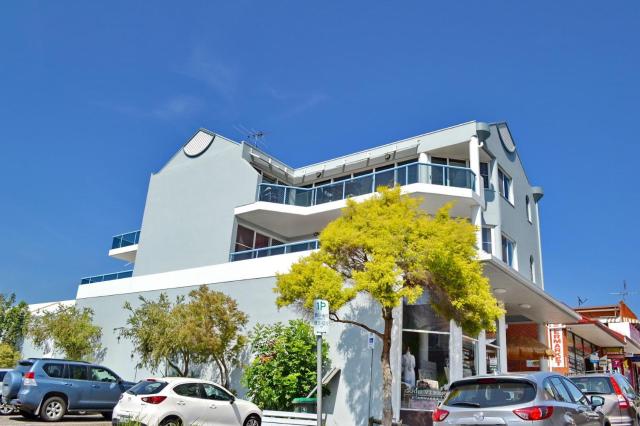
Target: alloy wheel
<point>252,422</point>
<point>53,410</point>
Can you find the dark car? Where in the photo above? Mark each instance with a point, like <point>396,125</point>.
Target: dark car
<point>50,388</point>
<point>622,403</point>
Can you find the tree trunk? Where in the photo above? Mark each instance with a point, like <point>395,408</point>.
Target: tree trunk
<point>387,375</point>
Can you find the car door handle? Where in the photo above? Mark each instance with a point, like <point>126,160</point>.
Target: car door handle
<point>180,403</point>
<point>213,406</point>
<point>95,386</point>
<point>67,384</point>
<point>581,409</point>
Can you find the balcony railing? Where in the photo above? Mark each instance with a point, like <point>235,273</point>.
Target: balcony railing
<point>274,250</point>
<point>435,174</point>
<point>124,240</point>
<point>106,277</point>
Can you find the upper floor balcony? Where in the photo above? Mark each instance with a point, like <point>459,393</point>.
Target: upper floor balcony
<point>125,246</point>
<point>297,211</point>
<point>106,277</point>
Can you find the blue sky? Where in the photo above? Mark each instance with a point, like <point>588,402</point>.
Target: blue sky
<point>95,96</point>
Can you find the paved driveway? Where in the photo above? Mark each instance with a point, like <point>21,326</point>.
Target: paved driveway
<point>67,421</point>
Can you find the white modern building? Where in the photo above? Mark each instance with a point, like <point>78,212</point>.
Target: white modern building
<point>231,216</point>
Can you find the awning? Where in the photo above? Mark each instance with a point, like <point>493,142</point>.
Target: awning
<point>598,334</point>
<point>523,298</point>
<point>520,348</point>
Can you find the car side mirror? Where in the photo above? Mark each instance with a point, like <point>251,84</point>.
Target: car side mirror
<point>232,400</point>
<point>597,401</point>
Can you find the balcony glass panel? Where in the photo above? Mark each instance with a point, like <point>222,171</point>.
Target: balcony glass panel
<point>274,250</point>
<point>436,174</point>
<point>106,277</point>
<point>125,240</point>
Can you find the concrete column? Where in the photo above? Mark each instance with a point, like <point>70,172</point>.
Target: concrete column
<point>502,341</point>
<point>423,343</point>
<point>539,260</point>
<point>423,171</point>
<point>476,217</point>
<point>542,338</point>
<point>474,161</point>
<point>455,352</point>
<point>481,355</point>
<point>396,361</point>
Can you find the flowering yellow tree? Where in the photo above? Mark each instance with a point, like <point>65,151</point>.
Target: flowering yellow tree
<point>388,248</point>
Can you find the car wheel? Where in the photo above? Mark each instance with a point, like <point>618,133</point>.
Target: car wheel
<point>107,415</point>
<point>252,420</point>
<point>53,409</point>
<point>6,409</point>
<point>171,421</point>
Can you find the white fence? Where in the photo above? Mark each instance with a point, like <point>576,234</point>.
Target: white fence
<point>286,418</point>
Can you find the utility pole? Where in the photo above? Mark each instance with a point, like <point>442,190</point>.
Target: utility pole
<point>320,327</point>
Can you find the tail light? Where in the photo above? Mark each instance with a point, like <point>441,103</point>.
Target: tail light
<point>439,415</point>
<point>534,413</point>
<point>622,400</point>
<point>156,399</point>
<point>29,379</point>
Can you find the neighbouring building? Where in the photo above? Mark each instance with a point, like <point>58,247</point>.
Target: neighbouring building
<point>231,216</point>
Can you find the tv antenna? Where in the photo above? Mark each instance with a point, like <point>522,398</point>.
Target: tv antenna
<point>625,291</point>
<point>255,137</point>
<point>581,301</point>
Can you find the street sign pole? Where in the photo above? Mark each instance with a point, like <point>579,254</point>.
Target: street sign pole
<point>320,326</point>
<point>370,343</point>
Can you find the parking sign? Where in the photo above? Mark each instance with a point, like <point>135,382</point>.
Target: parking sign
<point>320,316</point>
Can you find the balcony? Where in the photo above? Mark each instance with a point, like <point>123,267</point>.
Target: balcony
<point>106,277</point>
<point>125,246</point>
<point>293,211</point>
<point>274,250</point>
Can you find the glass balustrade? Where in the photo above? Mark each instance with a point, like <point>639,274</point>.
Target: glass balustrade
<point>106,277</point>
<point>124,240</point>
<point>435,174</point>
<point>274,250</point>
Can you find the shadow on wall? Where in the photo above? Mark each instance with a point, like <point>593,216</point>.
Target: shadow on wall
<point>356,373</point>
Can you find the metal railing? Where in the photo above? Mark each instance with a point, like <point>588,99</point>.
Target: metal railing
<point>435,174</point>
<point>274,250</point>
<point>124,240</point>
<point>106,277</point>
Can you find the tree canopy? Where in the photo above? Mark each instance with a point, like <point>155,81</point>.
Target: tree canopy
<point>9,357</point>
<point>14,320</point>
<point>283,365</point>
<point>389,249</point>
<point>68,330</point>
<point>205,328</point>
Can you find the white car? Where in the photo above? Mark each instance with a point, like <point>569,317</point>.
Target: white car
<point>179,401</point>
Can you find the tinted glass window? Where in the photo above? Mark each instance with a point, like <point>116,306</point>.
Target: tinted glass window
<point>214,392</point>
<point>99,374</point>
<point>54,370</point>
<point>147,387</point>
<point>490,393</point>
<point>78,372</point>
<point>549,392</point>
<point>600,385</point>
<point>575,392</point>
<point>2,373</point>
<point>625,386</point>
<point>562,394</point>
<point>191,390</point>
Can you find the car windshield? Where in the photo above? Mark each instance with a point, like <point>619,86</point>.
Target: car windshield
<point>147,387</point>
<point>484,393</point>
<point>593,384</point>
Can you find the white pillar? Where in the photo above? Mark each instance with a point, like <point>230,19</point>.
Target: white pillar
<point>542,338</point>
<point>423,171</point>
<point>502,341</point>
<point>423,345</point>
<point>476,217</point>
<point>481,355</point>
<point>474,161</point>
<point>396,361</point>
<point>455,352</point>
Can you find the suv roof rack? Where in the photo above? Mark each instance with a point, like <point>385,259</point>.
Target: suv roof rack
<point>56,359</point>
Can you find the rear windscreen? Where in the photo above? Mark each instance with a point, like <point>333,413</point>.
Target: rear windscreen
<point>593,384</point>
<point>491,393</point>
<point>147,387</point>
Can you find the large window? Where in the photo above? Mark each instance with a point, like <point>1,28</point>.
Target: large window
<point>508,251</point>
<point>504,181</point>
<point>484,172</point>
<point>579,350</point>
<point>528,208</point>
<point>248,239</point>
<point>486,239</point>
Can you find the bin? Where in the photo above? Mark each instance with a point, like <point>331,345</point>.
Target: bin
<point>304,405</point>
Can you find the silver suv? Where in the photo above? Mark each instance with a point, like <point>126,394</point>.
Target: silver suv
<point>547,398</point>
<point>621,402</point>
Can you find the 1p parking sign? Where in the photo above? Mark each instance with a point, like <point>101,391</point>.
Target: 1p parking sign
<point>320,316</point>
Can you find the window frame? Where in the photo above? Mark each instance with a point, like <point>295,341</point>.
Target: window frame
<point>527,201</point>
<point>502,178</point>
<point>489,230</point>
<point>486,181</point>
<point>510,262</point>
